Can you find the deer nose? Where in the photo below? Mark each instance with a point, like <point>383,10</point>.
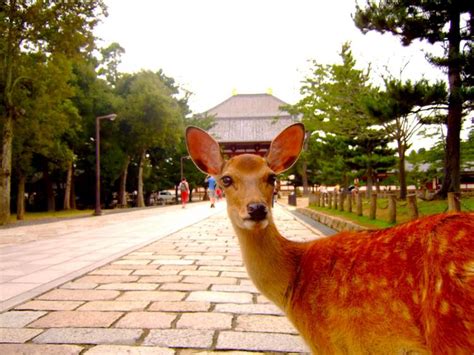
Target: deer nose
<point>257,211</point>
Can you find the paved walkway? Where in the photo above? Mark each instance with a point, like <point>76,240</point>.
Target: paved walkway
<point>155,281</point>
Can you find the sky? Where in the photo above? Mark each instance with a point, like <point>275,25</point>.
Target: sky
<point>215,48</point>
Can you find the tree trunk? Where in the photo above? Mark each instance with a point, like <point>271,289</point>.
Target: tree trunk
<point>122,198</point>
<point>72,200</point>
<point>11,52</point>
<point>401,171</point>
<point>304,174</point>
<point>6,167</point>
<point>67,190</point>
<point>49,190</point>
<point>304,178</point>
<point>370,182</point>
<point>140,197</point>
<point>452,168</point>
<point>20,198</point>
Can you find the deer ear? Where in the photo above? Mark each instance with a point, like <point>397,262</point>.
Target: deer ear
<point>204,151</point>
<point>286,148</point>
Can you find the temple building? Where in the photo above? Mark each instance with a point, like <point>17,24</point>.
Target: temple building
<point>247,123</point>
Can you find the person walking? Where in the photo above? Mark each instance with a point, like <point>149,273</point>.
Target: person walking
<point>211,186</point>
<point>184,189</point>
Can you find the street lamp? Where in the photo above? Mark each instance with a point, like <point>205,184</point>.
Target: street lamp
<point>185,157</point>
<point>110,117</point>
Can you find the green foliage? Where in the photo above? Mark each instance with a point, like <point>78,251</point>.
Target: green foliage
<point>450,24</point>
<point>334,110</point>
<point>148,113</point>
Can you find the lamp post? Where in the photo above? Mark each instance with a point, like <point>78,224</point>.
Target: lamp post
<point>111,117</point>
<point>182,173</point>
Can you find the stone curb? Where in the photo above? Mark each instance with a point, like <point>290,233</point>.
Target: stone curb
<point>333,222</point>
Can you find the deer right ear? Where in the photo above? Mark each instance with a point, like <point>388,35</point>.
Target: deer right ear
<point>286,148</point>
<point>204,151</point>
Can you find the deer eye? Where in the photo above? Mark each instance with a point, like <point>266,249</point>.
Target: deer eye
<point>226,181</point>
<point>271,179</point>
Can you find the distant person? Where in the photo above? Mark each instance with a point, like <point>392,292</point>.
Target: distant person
<point>211,186</point>
<point>218,194</point>
<point>184,189</point>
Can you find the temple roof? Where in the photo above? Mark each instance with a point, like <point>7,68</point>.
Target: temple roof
<point>255,118</point>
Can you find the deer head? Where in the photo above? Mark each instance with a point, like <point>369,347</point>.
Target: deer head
<point>248,180</point>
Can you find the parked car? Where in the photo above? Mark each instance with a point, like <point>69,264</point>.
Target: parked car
<point>165,197</point>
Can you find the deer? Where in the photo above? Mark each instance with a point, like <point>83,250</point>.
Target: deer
<point>408,289</point>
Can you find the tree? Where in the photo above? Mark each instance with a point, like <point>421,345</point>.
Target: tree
<point>111,58</point>
<point>400,109</point>
<point>334,104</point>
<point>49,30</point>
<point>451,24</point>
<point>151,115</point>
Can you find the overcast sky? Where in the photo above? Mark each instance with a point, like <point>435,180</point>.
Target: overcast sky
<point>216,47</point>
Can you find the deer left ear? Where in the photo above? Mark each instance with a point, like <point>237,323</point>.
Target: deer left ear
<point>204,151</point>
<point>286,148</point>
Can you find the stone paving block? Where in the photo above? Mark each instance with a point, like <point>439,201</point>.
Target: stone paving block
<point>160,278</point>
<point>129,286</point>
<point>150,320</point>
<point>223,268</point>
<point>203,320</point>
<point>79,295</point>
<point>106,279</point>
<point>50,305</point>
<point>173,262</point>
<point>77,319</point>
<point>235,288</point>
<point>180,338</point>
<point>155,272</point>
<point>264,323</point>
<point>39,349</point>
<point>173,256</point>
<point>204,257</point>
<point>237,274</point>
<point>152,296</point>
<point>177,268</point>
<point>268,342</point>
<point>129,267</point>
<point>110,272</point>
<point>17,335</point>
<point>140,253</point>
<point>125,306</point>
<point>184,287</point>
<point>269,309</point>
<point>131,262</point>
<point>199,273</point>
<point>220,297</point>
<point>89,336</point>
<point>180,306</point>
<point>19,319</point>
<point>79,286</point>
<point>128,350</point>
<point>219,262</point>
<point>211,280</point>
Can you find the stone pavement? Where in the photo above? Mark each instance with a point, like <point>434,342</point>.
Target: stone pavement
<point>183,292</point>
<point>35,258</point>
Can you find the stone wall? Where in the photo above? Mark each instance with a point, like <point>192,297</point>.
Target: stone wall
<point>336,223</point>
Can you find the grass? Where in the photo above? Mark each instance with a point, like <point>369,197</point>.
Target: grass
<point>37,216</point>
<point>425,208</point>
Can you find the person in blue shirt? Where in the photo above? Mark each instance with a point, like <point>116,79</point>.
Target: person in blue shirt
<point>211,186</point>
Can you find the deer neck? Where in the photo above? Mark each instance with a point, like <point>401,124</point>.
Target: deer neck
<point>271,261</point>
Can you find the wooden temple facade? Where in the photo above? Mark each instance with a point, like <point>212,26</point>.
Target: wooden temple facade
<point>248,123</point>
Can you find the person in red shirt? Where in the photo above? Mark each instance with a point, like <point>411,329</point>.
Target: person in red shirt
<point>184,189</point>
